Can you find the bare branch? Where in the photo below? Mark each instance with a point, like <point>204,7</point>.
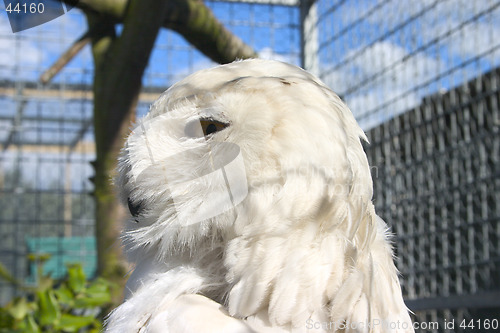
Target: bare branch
<point>197,24</point>
<point>119,64</point>
<point>192,19</point>
<point>65,58</point>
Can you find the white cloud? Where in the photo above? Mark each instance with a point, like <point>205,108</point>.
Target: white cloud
<point>395,72</point>
<point>362,104</point>
<point>382,78</point>
<point>25,54</point>
<point>269,54</point>
<point>394,62</point>
<point>16,50</point>
<point>472,40</point>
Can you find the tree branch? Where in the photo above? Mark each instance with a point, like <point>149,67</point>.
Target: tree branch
<point>119,63</point>
<point>65,58</point>
<point>192,19</point>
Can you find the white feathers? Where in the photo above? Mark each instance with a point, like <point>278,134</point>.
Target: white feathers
<point>279,235</point>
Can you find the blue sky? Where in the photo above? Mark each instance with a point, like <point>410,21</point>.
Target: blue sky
<point>264,27</point>
<point>384,63</point>
<point>271,30</point>
<point>401,52</point>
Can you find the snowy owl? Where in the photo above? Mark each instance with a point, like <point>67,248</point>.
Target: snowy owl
<point>250,200</point>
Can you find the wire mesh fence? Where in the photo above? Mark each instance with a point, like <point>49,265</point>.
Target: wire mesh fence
<point>44,163</point>
<point>421,79</point>
<point>438,186</point>
<point>383,57</point>
<point>46,131</point>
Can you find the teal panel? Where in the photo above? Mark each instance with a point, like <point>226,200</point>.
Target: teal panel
<point>63,251</point>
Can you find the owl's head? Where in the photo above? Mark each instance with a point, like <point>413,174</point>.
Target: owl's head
<point>231,146</point>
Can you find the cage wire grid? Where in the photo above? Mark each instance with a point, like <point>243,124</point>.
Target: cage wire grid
<point>46,131</point>
<point>422,81</point>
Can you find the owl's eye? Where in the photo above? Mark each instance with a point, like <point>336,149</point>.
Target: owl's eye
<point>208,127</point>
<point>135,208</point>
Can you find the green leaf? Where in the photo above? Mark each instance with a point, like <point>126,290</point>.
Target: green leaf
<point>30,325</point>
<point>65,296</point>
<point>39,257</point>
<point>45,282</point>
<point>76,278</point>
<point>6,319</point>
<point>71,323</point>
<point>92,300</point>
<point>53,309</point>
<point>48,308</point>
<point>99,285</point>
<point>97,294</point>
<point>19,308</point>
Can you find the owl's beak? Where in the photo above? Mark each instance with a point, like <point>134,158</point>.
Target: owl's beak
<point>135,208</point>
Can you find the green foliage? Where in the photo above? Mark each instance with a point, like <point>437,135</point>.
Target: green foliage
<point>72,304</point>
